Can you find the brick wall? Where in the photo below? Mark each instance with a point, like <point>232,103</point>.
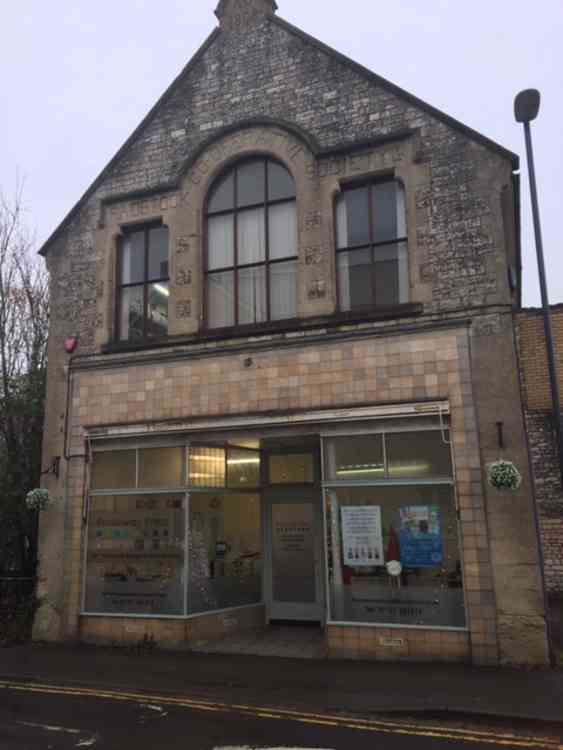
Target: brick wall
<point>541,433</point>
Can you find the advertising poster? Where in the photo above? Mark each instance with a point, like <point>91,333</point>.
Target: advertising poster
<point>420,536</point>
<point>362,536</point>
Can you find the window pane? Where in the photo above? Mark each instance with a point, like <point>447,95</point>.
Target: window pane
<point>283,290</point>
<point>251,236</point>
<point>252,295</point>
<point>291,468</point>
<point>416,528</point>
<point>280,182</point>
<point>160,467</point>
<point>158,253</point>
<point>221,234</point>
<point>418,454</point>
<point>353,218</point>
<point>355,457</point>
<point>220,300</point>
<point>391,274</point>
<point>157,313</point>
<point>133,258</point>
<point>223,196</point>
<point>131,323</point>
<point>282,220</point>
<point>135,558</point>
<point>225,546</point>
<point>384,199</point>
<point>354,279</point>
<point>243,468</point>
<point>251,183</point>
<point>206,466</point>
<point>113,470</point>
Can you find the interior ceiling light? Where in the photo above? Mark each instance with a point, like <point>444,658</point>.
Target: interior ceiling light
<point>162,289</point>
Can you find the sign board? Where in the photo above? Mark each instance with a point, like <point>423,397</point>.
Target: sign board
<point>420,536</point>
<point>362,536</point>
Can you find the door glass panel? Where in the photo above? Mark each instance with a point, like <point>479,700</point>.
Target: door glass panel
<point>293,553</point>
<point>295,468</point>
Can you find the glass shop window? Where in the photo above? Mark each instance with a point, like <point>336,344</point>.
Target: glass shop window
<point>229,466</point>
<point>394,556</point>
<point>393,546</point>
<point>114,470</point>
<point>225,551</point>
<point>135,555</point>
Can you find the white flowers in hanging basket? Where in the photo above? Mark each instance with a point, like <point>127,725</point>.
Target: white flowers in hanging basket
<point>504,475</point>
<point>38,499</point>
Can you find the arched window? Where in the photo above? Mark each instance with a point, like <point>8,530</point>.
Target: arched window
<point>371,252</point>
<point>251,259</point>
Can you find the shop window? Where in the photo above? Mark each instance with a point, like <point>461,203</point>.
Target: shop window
<point>135,555</point>
<point>114,470</point>
<point>227,466</point>
<point>251,259</point>
<point>225,551</point>
<point>160,467</point>
<point>143,285</point>
<point>372,254</point>
<point>394,555</point>
<point>291,468</point>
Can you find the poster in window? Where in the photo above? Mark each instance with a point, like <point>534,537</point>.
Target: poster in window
<point>420,536</point>
<point>362,536</point>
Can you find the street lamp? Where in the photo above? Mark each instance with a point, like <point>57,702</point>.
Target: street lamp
<point>526,108</point>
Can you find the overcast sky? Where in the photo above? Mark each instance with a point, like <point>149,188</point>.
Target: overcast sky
<point>78,76</point>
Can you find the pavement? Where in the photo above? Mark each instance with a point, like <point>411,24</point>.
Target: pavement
<point>325,686</point>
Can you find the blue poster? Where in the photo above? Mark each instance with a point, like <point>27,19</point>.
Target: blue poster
<point>420,536</point>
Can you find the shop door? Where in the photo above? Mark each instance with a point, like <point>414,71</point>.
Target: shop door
<point>294,589</point>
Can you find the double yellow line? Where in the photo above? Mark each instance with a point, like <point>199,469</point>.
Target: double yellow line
<point>322,720</point>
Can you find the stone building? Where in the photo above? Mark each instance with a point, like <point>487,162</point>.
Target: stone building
<point>293,291</point>
<point>538,411</point>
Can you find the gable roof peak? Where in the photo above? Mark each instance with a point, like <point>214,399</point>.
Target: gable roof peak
<point>242,15</point>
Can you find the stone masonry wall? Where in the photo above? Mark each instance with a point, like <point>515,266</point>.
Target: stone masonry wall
<point>541,434</point>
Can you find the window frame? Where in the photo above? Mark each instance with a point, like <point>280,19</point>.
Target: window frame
<point>145,228</point>
<point>346,187</point>
<point>267,263</point>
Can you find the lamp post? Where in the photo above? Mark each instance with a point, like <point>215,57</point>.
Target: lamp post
<point>526,108</point>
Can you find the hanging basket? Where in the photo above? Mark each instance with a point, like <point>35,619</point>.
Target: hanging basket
<point>38,499</point>
<point>503,475</point>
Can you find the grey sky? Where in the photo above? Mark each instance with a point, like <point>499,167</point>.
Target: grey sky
<point>78,76</point>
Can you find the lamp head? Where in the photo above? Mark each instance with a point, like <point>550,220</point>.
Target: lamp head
<point>527,105</point>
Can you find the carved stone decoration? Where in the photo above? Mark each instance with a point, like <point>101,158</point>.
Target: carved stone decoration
<point>99,320</point>
<point>242,15</point>
<point>183,277</point>
<point>487,325</point>
<point>183,245</point>
<point>317,289</point>
<point>100,288</point>
<point>184,308</point>
<point>313,255</point>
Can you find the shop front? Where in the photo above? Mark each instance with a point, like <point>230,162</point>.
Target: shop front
<point>350,523</point>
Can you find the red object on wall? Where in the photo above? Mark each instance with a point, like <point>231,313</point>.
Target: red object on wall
<point>71,343</point>
<point>393,547</point>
